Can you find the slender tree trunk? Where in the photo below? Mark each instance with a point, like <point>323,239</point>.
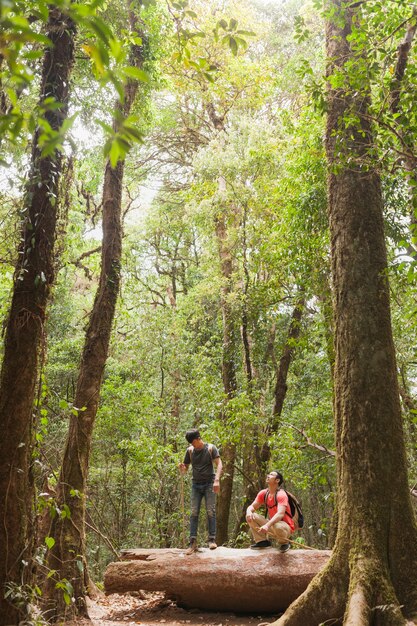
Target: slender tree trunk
<point>67,557</point>
<point>409,159</point>
<point>24,340</point>
<point>229,346</point>
<point>250,471</point>
<point>256,465</point>
<point>228,374</point>
<point>282,370</point>
<point>250,437</point>
<point>245,315</point>
<point>324,296</point>
<point>372,575</point>
<point>410,409</point>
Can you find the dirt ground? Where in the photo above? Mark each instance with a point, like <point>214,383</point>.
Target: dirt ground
<point>150,609</point>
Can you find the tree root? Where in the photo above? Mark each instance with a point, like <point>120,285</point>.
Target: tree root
<point>359,595</point>
<point>358,612</point>
<point>372,600</point>
<point>323,600</point>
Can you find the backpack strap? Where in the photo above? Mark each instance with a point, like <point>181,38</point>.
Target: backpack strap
<point>190,451</point>
<point>267,492</point>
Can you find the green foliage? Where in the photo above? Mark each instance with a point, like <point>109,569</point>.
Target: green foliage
<point>232,35</point>
<point>239,102</point>
<point>25,598</point>
<point>19,49</point>
<point>121,137</point>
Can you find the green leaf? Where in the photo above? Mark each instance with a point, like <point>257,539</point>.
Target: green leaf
<point>100,28</point>
<point>65,512</point>
<point>33,55</point>
<point>104,126</point>
<point>50,542</point>
<point>117,49</point>
<point>115,153</point>
<point>241,42</point>
<point>136,73</point>
<point>208,77</point>
<point>135,133</point>
<point>233,45</point>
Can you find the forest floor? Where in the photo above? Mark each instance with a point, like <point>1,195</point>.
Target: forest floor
<point>152,609</point>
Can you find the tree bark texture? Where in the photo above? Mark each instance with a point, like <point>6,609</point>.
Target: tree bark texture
<point>67,557</point>
<point>372,575</point>
<point>225,580</point>
<point>24,339</point>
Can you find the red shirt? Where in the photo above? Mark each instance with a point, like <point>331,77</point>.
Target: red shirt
<point>273,502</point>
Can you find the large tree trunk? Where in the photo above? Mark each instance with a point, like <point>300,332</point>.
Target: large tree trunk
<point>24,339</point>
<point>67,557</point>
<point>224,580</point>
<point>372,575</point>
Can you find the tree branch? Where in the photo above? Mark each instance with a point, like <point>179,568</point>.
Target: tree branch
<point>310,443</point>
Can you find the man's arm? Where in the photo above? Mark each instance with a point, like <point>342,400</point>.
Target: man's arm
<point>251,509</point>
<point>278,517</point>
<point>219,468</point>
<point>183,467</point>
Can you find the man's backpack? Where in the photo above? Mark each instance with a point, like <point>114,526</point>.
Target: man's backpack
<point>295,507</point>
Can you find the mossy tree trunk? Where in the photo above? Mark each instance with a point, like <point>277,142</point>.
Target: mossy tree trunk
<point>372,575</point>
<point>24,338</point>
<point>67,556</point>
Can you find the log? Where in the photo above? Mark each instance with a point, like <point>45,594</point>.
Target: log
<point>226,579</point>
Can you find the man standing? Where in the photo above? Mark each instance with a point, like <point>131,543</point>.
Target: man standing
<point>279,522</point>
<point>205,484</point>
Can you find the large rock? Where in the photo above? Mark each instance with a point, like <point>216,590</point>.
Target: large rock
<point>225,579</point>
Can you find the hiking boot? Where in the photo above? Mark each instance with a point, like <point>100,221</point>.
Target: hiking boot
<point>192,547</point>
<point>284,547</point>
<point>212,544</point>
<point>261,544</point>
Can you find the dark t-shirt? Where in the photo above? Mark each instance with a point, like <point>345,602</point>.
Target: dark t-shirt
<point>202,463</point>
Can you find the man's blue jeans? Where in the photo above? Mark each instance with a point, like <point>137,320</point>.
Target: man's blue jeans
<point>198,492</point>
